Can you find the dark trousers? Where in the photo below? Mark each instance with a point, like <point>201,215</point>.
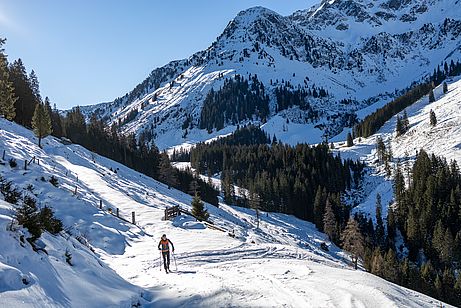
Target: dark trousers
<point>166,259</point>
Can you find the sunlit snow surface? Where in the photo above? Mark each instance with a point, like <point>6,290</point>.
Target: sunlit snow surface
<point>280,264</point>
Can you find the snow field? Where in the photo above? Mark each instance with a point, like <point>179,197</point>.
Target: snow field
<point>279,264</point>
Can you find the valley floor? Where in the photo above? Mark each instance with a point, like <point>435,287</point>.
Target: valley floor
<point>279,264</point>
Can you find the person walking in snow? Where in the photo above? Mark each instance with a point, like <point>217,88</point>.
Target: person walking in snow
<point>164,246</point>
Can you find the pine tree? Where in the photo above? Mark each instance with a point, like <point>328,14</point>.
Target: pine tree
<point>438,285</point>
<point>25,103</point>
<point>391,268</point>
<point>41,123</point>
<point>448,282</point>
<point>7,99</point>
<point>27,215</point>
<point>319,207</point>
<point>198,208</point>
<point>399,127</point>
<point>34,85</point>
<point>377,263</point>
<point>349,140</point>
<point>432,118</point>
<point>228,187</point>
<point>255,204</point>
<point>379,222</point>
<point>437,237</point>
<point>457,247</point>
<point>405,272</point>
<point>75,126</point>
<point>380,149</point>
<point>427,276</point>
<point>431,96</point>
<point>167,174</point>
<point>446,254</point>
<point>458,287</point>
<point>56,121</point>
<point>445,88</point>
<point>49,222</point>
<point>353,241</point>
<point>329,221</point>
<point>405,121</point>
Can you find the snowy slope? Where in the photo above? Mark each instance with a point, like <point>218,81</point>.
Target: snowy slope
<point>363,50</point>
<point>442,140</point>
<point>30,279</point>
<point>279,264</point>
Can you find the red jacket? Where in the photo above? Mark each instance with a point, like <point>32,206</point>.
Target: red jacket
<point>164,245</point>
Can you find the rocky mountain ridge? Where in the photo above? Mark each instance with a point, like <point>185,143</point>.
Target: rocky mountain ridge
<point>360,52</point>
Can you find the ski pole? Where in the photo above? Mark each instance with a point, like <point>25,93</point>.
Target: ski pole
<point>174,258</point>
<point>160,259</point>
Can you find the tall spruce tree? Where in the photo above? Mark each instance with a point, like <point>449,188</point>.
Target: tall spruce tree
<point>329,222</point>
<point>379,222</point>
<point>319,207</point>
<point>255,204</point>
<point>349,140</point>
<point>431,96</point>
<point>167,174</point>
<point>227,187</point>
<point>7,99</point>
<point>56,121</point>
<point>25,103</point>
<point>405,121</point>
<point>41,123</point>
<point>353,241</point>
<point>35,86</point>
<point>198,208</point>
<point>75,126</point>
<point>380,149</point>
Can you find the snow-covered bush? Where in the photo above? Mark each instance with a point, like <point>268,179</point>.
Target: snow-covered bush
<point>10,193</point>
<point>54,181</point>
<point>68,256</point>
<point>13,163</point>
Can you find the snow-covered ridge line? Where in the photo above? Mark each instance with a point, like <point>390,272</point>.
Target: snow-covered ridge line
<point>362,51</point>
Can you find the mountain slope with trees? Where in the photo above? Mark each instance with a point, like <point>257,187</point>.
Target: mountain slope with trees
<point>316,72</point>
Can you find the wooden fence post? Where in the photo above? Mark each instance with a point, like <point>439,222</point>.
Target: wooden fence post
<point>133,220</point>
<point>3,157</point>
<point>38,161</point>
<point>75,192</point>
<point>118,213</point>
<point>25,164</point>
<point>100,204</point>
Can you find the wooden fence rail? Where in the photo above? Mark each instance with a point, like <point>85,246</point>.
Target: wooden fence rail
<point>74,191</point>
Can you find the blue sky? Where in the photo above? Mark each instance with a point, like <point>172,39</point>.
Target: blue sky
<point>85,52</point>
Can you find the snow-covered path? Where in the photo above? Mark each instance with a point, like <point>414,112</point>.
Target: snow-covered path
<point>278,265</point>
<point>270,267</point>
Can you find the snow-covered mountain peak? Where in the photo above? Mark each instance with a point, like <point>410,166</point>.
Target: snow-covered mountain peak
<point>359,51</point>
<point>249,22</point>
<point>253,13</point>
<point>384,15</point>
